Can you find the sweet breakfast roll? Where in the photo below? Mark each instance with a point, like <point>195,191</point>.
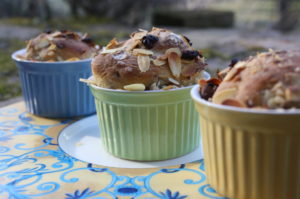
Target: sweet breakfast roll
<point>158,59</point>
<point>268,80</point>
<point>52,46</point>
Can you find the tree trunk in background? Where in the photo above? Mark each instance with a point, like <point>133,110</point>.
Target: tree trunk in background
<point>38,9</point>
<point>287,18</point>
<point>45,11</point>
<point>32,7</point>
<point>74,7</point>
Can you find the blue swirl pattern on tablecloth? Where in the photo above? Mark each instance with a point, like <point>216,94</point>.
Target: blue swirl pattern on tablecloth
<point>25,172</point>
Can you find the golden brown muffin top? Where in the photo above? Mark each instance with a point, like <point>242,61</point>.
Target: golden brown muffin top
<point>268,80</point>
<point>60,46</point>
<point>157,59</point>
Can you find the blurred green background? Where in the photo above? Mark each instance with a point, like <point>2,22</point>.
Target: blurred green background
<point>222,29</point>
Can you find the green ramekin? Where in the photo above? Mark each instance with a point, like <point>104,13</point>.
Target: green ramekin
<point>147,125</point>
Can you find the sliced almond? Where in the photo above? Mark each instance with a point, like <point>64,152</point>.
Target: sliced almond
<point>169,87</point>
<point>174,81</point>
<point>52,47</point>
<point>223,95</point>
<point>29,45</point>
<point>163,57</point>
<point>112,44</point>
<point>233,72</point>
<point>88,81</point>
<point>56,34</point>
<point>133,45</point>
<point>174,60</point>
<point>43,43</point>
<point>109,51</point>
<point>142,30</point>
<point>140,51</point>
<point>143,62</point>
<point>139,35</point>
<point>222,74</point>
<point>73,59</point>
<point>278,58</point>
<point>233,102</point>
<point>159,29</point>
<point>20,57</point>
<point>240,64</point>
<point>135,87</point>
<point>173,50</point>
<point>158,62</point>
<point>292,94</point>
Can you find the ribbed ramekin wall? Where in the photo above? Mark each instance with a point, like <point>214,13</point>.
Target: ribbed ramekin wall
<point>251,165</point>
<point>56,94</point>
<point>149,132</point>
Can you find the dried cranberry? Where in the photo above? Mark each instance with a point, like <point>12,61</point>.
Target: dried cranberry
<point>87,40</point>
<point>189,54</point>
<point>60,45</point>
<point>71,36</point>
<point>208,90</point>
<point>48,31</point>
<point>188,40</point>
<point>233,62</point>
<point>149,41</point>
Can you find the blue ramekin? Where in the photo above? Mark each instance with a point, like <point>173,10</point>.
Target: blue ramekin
<point>52,89</point>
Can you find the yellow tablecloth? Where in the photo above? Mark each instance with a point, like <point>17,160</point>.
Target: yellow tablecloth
<point>33,166</point>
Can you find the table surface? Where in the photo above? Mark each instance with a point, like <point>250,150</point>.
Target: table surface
<point>33,166</point>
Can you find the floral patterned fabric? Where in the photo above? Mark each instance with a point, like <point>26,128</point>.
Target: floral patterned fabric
<point>33,166</point>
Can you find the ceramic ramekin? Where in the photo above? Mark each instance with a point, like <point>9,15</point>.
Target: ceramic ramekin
<point>52,89</point>
<point>250,154</point>
<point>147,125</point>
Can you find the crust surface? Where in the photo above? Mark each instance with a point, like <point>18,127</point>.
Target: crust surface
<point>132,62</point>
<point>59,46</point>
<point>268,80</point>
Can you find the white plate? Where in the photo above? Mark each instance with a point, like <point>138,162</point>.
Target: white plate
<point>82,140</point>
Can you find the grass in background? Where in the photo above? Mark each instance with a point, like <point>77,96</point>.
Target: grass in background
<point>9,82</point>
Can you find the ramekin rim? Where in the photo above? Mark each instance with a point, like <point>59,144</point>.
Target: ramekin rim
<point>196,97</point>
<point>20,51</point>
<point>147,91</point>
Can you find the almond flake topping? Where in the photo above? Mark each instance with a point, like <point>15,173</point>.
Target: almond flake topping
<point>133,45</point>
<point>139,51</point>
<point>135,87</point>
<point>108,51</point>
<point>143,62</point>
<point>52,47</point>
<point>174,59</point>
<point>88,81</point>
<point>223,95</point>
<point>56,34</point>
<point>174,81</point>
<point>139,35</point>
<point>112,44</point>
<point>158,62</point>
<point>43,43</point>
<point>73,59</point>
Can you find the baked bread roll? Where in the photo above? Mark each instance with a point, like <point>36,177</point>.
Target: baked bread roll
<point>60,46</point>
<point>156,59</point>
<point>268,80</point>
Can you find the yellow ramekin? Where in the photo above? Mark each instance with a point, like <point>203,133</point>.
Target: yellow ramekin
<point>250,154</point>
